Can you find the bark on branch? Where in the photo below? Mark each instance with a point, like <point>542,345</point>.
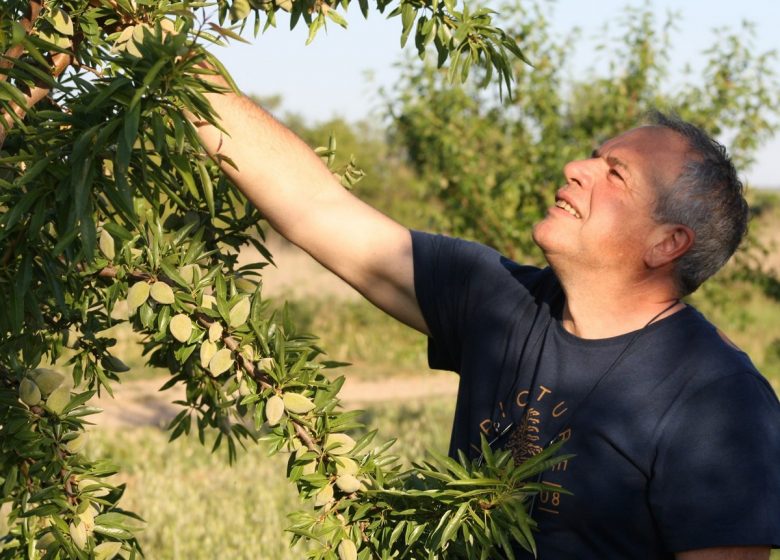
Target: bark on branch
<point>60,63</point>
<point>27,22</point>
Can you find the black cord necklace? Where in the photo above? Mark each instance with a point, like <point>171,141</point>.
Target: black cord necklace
<point>601,378</point>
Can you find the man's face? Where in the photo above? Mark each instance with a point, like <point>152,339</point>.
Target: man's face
<point>602,218</point>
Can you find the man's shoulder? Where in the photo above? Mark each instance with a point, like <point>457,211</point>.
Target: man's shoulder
<point>477,261</point>
<point>708,346</point>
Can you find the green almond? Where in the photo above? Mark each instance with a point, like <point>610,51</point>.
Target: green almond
<point>215,332</point>
<point>180,327</point>
<point>220,362</point>
<point>167,25</point>
<point>107,550</point>
<point>347,550</point>
<point>274,410</point>
<point>79,535</point>
<point>239,312</point>
<point>58,400</point>
<point>338,444</point>
<point>266,364</point>
<point>47,380</point>
<point>239,10</point>
<point>297,403</point>
<point>162,293</point>
<point>61,21</point>
<point>208,302</point>
<point>137,295</point>
<point>324,496</point>
<point>139,33</point>
<point>347,483</point>
<point>29,392</point>
<point>125,36</point>
<point>77,444</point>
<point>207,351</point>
<point>187,272</point>
<point>345,465</point>
<point>106,244</point>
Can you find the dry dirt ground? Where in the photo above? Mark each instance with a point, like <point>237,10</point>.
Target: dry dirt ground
<point>140,403</point>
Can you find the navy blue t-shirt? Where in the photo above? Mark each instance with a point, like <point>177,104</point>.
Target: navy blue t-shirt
<point>676,448</point>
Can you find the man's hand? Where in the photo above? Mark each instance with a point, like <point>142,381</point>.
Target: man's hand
<point>304,202</point>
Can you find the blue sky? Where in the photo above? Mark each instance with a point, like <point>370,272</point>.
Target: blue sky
<point>341,72</point>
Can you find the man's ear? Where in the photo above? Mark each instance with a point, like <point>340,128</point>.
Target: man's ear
<point>671,242</point>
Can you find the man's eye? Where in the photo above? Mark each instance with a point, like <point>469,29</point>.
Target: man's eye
<point>615,174</point>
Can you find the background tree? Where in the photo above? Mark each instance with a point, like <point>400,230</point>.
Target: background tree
<point>494,167</point>
<point>110,212</point>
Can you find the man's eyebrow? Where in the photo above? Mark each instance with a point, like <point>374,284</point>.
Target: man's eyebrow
<point>611,160</point>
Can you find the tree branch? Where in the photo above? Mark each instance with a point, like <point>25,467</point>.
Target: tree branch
<point>27,22</point>
<point>247,365</point>
<point>60,61</point>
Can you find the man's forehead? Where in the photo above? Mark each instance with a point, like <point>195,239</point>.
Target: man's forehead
<point>655,151</point>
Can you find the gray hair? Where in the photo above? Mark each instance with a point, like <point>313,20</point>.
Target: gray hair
<point>707,197</point>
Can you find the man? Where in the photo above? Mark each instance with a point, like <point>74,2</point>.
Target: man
<point>676,435</point>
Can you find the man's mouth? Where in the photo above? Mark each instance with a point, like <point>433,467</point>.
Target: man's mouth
<point>562,204</point>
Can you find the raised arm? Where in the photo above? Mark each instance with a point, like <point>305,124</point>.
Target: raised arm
<point>303,201</point>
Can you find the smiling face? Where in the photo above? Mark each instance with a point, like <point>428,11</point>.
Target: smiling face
<point>603,217</point>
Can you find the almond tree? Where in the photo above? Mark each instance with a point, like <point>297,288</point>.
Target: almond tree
<point>110,212</point>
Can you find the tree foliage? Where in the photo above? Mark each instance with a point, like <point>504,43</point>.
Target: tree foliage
<point>110,212</point>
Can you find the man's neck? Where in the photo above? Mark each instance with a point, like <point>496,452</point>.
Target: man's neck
<point>600,310</point>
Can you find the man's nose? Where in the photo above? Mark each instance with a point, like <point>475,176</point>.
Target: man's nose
<point>579,172</point>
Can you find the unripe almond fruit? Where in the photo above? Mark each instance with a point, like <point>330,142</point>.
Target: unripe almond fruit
<point>274,410</point>
<point>58,400</point>
<point>162,293</point>
<point>209,301</point>
<point>220,362</point>
<point>79,535</point>
<point>297,403</point>
<point>180,327</point>
<point>338,444</point>
<point>239,313</point>
<point>77,444</point>
<point>266,364</point>
<point>137,295</point>
<point>347,550</point>
<point>215,332</point>
<point>47,380</point>
<point>107,550</point>
<point>324,496</point>
<point>106,244</point>
<point>345,465</point>
<point>207,351</point>
<point>187,272</point>
<point>348,483</point>
<point>29,392</point>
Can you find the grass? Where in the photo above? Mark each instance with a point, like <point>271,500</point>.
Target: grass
<point>198,507</point>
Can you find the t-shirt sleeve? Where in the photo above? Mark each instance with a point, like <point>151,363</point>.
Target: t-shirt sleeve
<point>716,480</point>
<point>451,277</point>
<point>447,285</point>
